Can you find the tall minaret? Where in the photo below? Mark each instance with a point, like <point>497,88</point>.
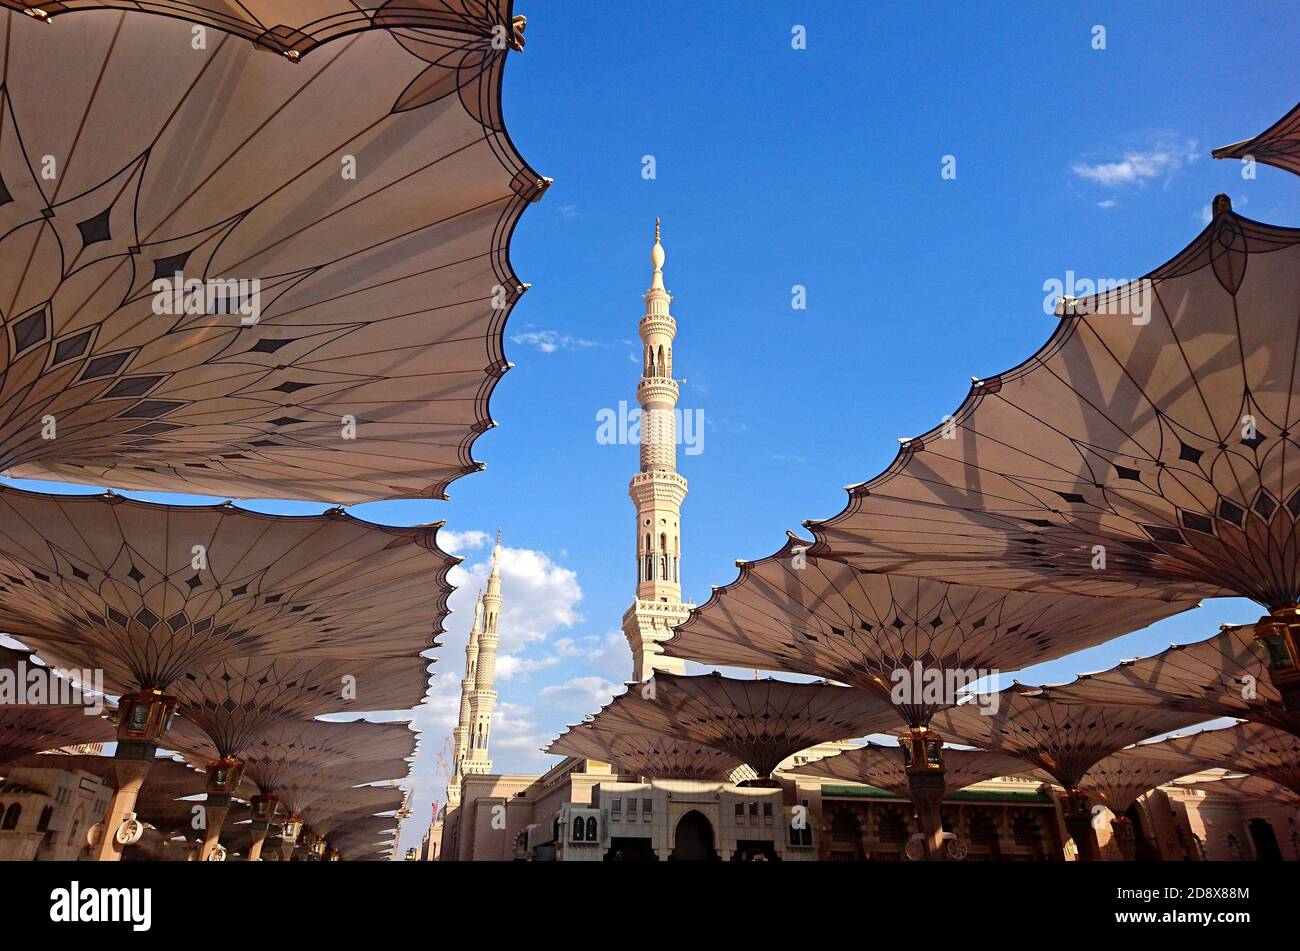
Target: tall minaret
<point>657,490</point>
<point>462,731</point>
<point>483,698</point>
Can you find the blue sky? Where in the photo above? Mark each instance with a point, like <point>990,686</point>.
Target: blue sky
<point>818,167</point>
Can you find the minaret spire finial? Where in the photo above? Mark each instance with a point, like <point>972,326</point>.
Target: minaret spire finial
<point>496,557</point>
<point>657,261</point>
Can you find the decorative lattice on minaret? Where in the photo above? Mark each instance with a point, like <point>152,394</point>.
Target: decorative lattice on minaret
<point>657,491</point>
<point>462,731</point>
<point>483,698</point>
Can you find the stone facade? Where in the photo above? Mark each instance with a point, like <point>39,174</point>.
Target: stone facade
<point>45,813</point>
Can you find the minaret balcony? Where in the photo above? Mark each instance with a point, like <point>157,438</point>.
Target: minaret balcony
<point>657,389</point>
<point>657,485</point>
<point>658,324</point>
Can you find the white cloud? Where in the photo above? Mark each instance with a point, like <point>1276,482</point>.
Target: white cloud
<point>514,667</point>
<point>539,596</point>
<point>515,728</point>
<point>587,694</point>
<point>549,341</point>
<point>1160,160</point>
<point>1107,203</point>
<point>455,542</point>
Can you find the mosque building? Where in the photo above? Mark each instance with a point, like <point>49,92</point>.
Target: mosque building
<point>586,809</point>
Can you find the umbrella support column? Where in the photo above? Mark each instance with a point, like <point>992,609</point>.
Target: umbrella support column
<point>1078,822</point>
<point>922,750</point>
<point>142,719</point>
<point>1125,837</point>
<point>121,808</point>
<point>215,816</point>
<point>927,791</point>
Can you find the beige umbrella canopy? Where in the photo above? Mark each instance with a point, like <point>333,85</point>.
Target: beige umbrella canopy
<point>1120,778</point>
<point>25,730</point>
<point>802,614</point>
<point>1254,748</point>
<point>645,754</point>
<point>366,827</point>
<point>182,816</point>
<point>338,816</point>
<point>1148,449</point>
<point>355,837</point>
<point>311,792</point>
<point>341,225</point>
<point>1247,787</point>
<point>1278,145</point>
<point>882,767</point>
<point>305,750</point>
<point>150,592</point>
<point>168,778</point>
<point>299,26</point>
<point>1064,740</point>
<point>1223,676</point>
<point>359,850</point>
<point>345,803</point>
<point>50,715</point>
<point>236,702</point>
<point>756,722</point>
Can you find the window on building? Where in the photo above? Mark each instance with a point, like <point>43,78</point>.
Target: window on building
<point>646,806</point>
<point>616,807</point>
<point>801,836</point>
<point>12,815</point>
<point>591,828</point>
<point>46,815</point>
<point>753,810</point>
<point>579,829</point>
<point>631,806</point>
<point>740,810</point>
<point>767,810</point>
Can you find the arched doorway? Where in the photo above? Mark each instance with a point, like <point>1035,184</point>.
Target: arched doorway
<point>846,837</point>
<point>1266,847</point>
<point>693,841</point>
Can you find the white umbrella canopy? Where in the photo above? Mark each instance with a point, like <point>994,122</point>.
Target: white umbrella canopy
<point>149,592</point>
<point>798,613</point>
<point>1150,449</point>
<point>1064,740</point>
<point>882,767</point>
<point>1120,778</point>
<point>1221,676</point>
<point>340,224</point>
<point>1278,145</point>
<point>306,750</point>
<point>756,722</point>
<point>296,27</point>
<point>236,702</point>
<point>645,754</point>
<point>1254,748</point>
